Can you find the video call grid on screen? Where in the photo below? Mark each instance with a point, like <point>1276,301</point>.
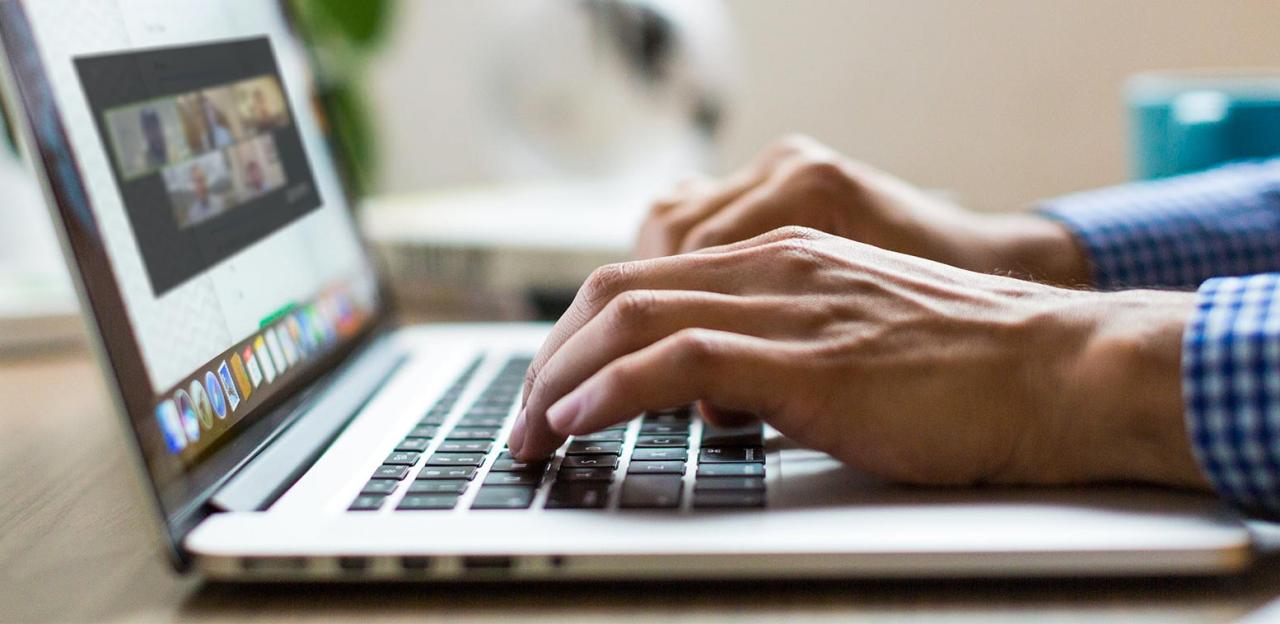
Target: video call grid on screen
<point>203,146</point>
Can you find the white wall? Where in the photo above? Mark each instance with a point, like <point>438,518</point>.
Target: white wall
<point>1002,101</point>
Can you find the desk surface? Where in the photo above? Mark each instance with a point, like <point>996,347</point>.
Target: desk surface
<point>75,546</point>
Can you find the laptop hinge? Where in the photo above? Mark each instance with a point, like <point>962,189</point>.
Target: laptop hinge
<point>281,463</point>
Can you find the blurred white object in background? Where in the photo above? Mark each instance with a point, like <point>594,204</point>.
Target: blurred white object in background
<point>544,128</point>
<point>37,304</point>
<point>494,92</point>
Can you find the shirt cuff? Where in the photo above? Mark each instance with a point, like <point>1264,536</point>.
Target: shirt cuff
<point>1231,389</point>
<point>1178,232</point>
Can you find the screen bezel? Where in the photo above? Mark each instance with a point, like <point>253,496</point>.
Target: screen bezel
<point>49,151</point>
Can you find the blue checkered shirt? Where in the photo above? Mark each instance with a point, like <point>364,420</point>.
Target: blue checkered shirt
<point>1217,231</point>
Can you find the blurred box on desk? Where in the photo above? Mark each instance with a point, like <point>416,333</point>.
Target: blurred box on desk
<point>502,252</point>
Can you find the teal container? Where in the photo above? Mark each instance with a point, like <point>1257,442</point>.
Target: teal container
<point>1182,122</point>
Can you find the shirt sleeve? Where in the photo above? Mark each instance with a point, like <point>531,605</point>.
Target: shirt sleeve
<point>1231,388</point>
<point>1178,232</point>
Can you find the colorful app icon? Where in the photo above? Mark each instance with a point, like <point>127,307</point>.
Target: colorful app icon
<point>190,419</point>
<point>251,366</point>
<point>264,359</point>
<point>171,426</point>
<point>296,335</point>
<point>216,397</point>
<point>321,333</point>
<point>273,344</point>
<point>229,385</point>
<point>290,346</point>
<point>241,377</point>
<point>204,409</point>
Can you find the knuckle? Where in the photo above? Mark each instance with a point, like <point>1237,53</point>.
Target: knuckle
<point>797,233</point>
<point>694,348</point>
<point>606,280</point>
<point>633,308</point>
<point>801,257</point>
<point>819,172</point>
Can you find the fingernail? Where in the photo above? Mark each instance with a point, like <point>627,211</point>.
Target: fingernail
<point>563,414</point>
<point>516,439</point>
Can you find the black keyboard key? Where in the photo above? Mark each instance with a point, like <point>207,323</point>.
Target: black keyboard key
<point>423,431</point>
<point>442,486</point>
<point>730,470</point>
<point>662,442</point>
<point>746,435</point>
<point>660,454</point>
<point>433,420</point>
<point>487,433</point>
<point>651,492</point>
<point>728,500</point>
<point>474,446</point>
<point>739,484</point>
<point>515,465</point>
<point>401,459</point>
<point>413,445</point>
<point>581,475</point>
<point>447,472</point>
<point>391,472</point>
<point>656,467</point>
<point>504,497</point>
<point>379,487</point>
<point>367,502</point>
<point>667,429</point>
<point>590,461</point>
<point>455,459</point>
<point>513,478</point>
<point>594,448</point>
<point>732,455</point>
<point>578,496</point>
<point>602,436</point>
<point>424,502</point>
<point>666,419</point>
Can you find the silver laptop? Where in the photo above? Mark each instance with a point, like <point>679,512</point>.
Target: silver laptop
<point>286,428</point>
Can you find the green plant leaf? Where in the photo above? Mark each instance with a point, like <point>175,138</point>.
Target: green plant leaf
<point>361,23</point>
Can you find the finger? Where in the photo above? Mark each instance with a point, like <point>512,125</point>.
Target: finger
<point>721,417</point>
<point>637,319</point>
<point>722,274</point>
<point>788,232</point>
<point>660,235</point>
<point>748,216</point>
<point>668,225</point>
<point>740,373</point>
<point>685,189</point>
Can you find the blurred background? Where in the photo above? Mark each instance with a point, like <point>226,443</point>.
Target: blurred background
<point>506,148</point>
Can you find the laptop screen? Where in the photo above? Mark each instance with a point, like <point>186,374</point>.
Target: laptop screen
<point>182,141</point>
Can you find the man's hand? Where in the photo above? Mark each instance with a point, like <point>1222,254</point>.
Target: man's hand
<point>798,181</point>
<point>902,367</point>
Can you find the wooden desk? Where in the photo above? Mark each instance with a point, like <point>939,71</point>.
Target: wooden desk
<point>75,546</point>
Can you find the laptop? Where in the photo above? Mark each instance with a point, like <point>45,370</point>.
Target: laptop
<point>286,428</point>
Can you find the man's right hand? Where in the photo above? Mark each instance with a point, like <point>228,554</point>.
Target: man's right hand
<point>799,181</point>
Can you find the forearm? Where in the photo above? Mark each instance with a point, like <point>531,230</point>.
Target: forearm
<point>1177,232</point>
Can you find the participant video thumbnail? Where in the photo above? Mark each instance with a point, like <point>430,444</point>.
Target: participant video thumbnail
<point>206,131</point>
<point>147,136</point>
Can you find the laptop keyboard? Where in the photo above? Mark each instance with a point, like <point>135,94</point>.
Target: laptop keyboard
<point>644,464</point>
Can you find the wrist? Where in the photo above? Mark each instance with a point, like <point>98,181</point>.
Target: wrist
<point>1032,247</point>
<point>1117,404</point>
